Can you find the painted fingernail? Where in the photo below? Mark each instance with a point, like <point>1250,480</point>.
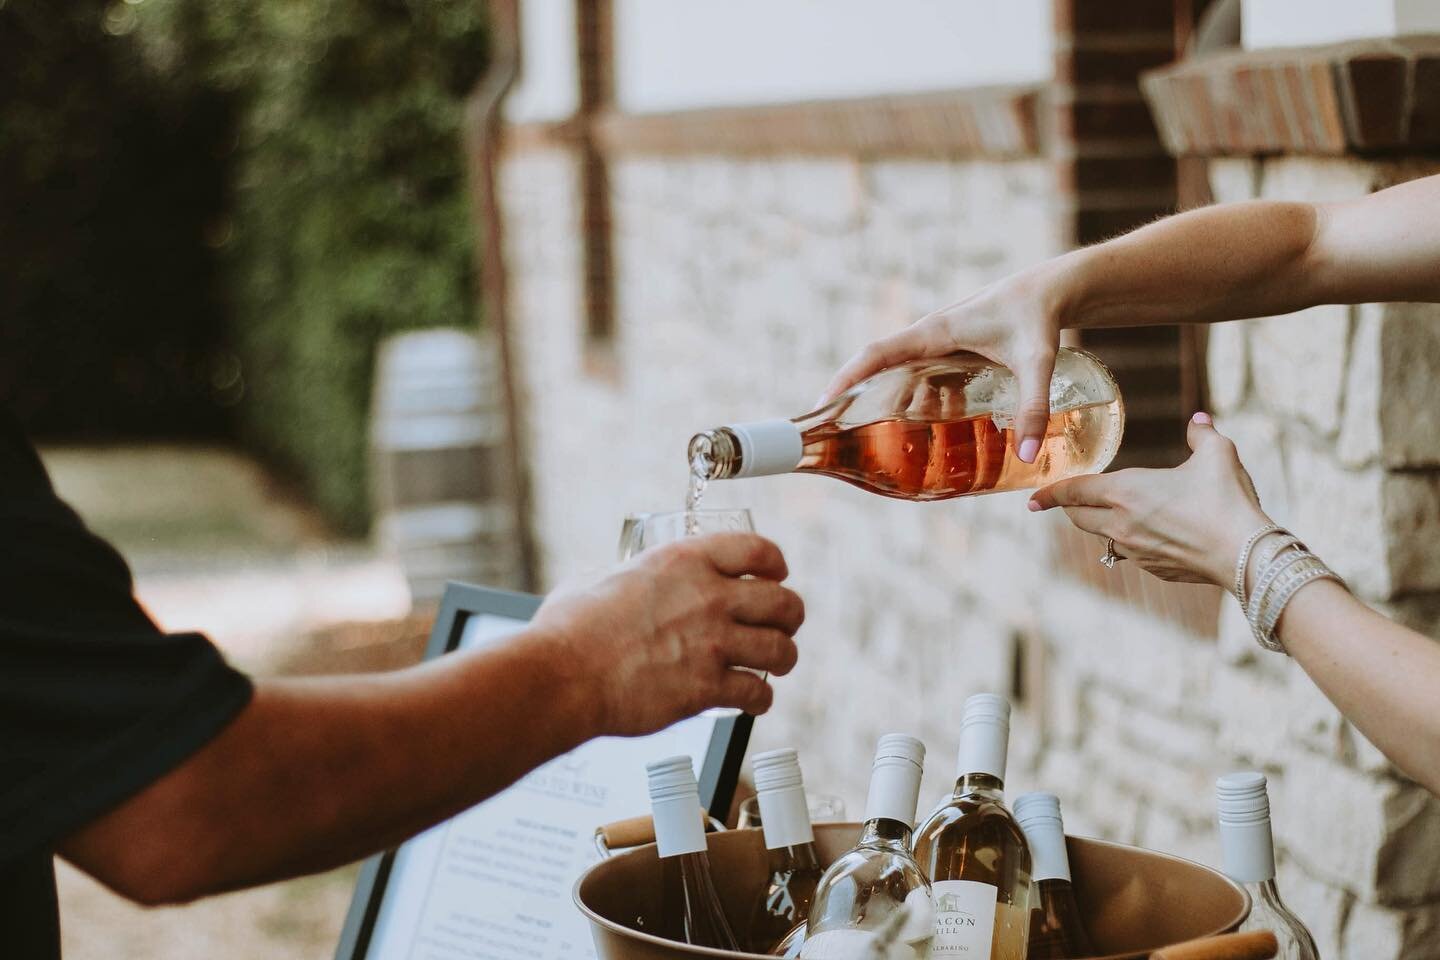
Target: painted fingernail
<point>1202,417</point>
<point>1033,506</point>
<point>1029,447</point>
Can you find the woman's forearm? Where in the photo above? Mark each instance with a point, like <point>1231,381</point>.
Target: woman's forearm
<point>1258,259</point>
<point>1384,677</point>
<point>1219,263</point>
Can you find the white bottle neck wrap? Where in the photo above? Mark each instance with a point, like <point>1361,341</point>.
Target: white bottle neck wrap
<point>1039,817</point>
<point>895,779</point>
<point>1247,848</point>
<point>675,806</point>
<point>767,447</point>
<point>780,789</point>
<point>984,735</point>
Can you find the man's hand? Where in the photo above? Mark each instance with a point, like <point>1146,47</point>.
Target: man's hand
<point>659,637</point>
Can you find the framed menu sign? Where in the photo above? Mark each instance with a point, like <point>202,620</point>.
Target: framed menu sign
<point>494,883</point>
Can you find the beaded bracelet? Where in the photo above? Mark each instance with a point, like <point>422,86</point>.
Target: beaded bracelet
<point>1308,571</point>
<point>1288,554</point>
<point>1244,562</point>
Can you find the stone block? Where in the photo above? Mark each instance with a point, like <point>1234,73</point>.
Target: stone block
<point>1372,836</point>
<point>824,195</point>
<point>1316,179</point>
<point>1227,363</point>
<point>1298,361</point>
<point>1257,439</point>
<point>1263,718</point>
<point>1339,513</point>
<point>1409,401</point>
<point>1359,444</point>
<point>1411,509</point>
<point>1233,179</point>
<point>1373,932</point>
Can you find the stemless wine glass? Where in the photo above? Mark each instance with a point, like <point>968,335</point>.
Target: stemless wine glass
<point>645,530</point>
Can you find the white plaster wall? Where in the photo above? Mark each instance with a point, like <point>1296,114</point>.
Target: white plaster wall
<point>548,86</point>
<point>1297,23</point>
<point>677,54</point>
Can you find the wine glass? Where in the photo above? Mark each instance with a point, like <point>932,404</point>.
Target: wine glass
<point>642,531</point>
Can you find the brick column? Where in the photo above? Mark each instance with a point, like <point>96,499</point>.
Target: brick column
<point>1115,174</point>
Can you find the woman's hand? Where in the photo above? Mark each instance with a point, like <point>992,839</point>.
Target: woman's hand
<point>1184,524</point>
<point>1015,321</point>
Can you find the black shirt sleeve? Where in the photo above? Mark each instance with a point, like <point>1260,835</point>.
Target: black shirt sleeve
<point>96,702</point>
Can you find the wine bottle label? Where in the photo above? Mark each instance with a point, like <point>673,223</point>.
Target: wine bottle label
<point>964,919</point>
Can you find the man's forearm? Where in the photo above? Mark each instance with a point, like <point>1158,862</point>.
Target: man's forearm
<point>318,772</point>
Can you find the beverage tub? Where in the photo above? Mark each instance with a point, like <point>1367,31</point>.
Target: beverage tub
<point>1134,901</point>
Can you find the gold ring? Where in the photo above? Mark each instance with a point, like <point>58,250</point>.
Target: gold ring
<point>1110,557</point>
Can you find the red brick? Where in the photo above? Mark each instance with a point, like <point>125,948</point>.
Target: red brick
<point>1121,15</point>
<point>1372,97</point>
<point>1083,67</point>
<point>1101,173</point>
<point>1424,126</point>
<point>1113,121</point>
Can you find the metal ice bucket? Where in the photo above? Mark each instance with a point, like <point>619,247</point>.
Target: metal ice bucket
<point>1135,901</point>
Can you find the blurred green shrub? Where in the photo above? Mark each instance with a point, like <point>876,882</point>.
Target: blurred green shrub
<point>328,134</point>
<point>349,216</point>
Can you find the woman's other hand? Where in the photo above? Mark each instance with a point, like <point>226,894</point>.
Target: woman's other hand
<point>1015,322</point>
<point>1184,524</point>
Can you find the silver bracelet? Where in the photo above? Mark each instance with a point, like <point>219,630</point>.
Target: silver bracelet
<point>1243,563</point>
<point>1290,553</point>
<point>1284,592</point>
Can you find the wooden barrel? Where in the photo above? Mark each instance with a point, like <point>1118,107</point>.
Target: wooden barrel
<point>441,479</point>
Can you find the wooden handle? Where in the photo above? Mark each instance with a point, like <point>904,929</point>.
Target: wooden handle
<point>627,833</point>
<point>1257,945</point>
<point>635,832</point>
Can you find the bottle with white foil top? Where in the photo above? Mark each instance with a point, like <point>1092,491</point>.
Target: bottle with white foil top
<point>778,921</point>
<point>930,430</point>
<point>690,905</point>
<point>1248,857</point>
<point>973,850</point>
<point>874,902</point>
<point>1056,930</point>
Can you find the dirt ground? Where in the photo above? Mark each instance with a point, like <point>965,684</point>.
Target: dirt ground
<point>216,545</point>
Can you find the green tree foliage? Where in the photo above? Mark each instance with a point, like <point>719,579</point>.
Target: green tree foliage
<point>313,151</point>
<point>350,218</point>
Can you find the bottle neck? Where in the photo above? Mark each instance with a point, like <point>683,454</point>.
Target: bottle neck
<point>785,817</point>
<point>1049,858</point>
<point>801,857</point>
<point>885,834</point>
<point>758,449</point>
<point>984,785</point>
<point>1269,912</point>
<point>984,744</point>
<point>1248,851</point>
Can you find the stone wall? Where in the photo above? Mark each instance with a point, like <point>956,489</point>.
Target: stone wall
<point>742,284</point>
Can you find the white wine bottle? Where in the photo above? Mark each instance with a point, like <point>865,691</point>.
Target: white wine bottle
<point>875,899</point>
<point>1248,855</point>
<point>973,850</point>
<point>929,430</point>
<point>690,905</point>
<point>778,919</point>
<point>1056,930</point>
